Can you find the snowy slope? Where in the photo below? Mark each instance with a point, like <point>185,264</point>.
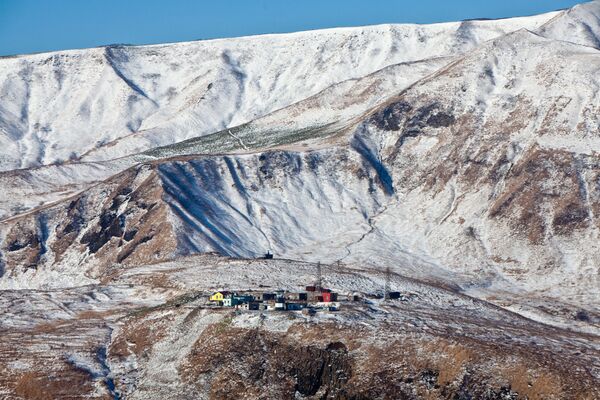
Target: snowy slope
<point>478,169</point>
<point>315,121</point>
<point>64,105</point>
<point>579,25</point>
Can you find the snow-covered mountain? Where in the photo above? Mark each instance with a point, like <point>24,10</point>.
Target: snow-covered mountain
<point>102,103</point>
<point>463,156</point>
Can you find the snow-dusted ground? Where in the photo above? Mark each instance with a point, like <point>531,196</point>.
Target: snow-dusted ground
<point>168,301</point>
<point>454,153</point>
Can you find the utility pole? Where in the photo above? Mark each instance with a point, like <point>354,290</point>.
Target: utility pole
<point>387,284</point>
<point>319,277</point>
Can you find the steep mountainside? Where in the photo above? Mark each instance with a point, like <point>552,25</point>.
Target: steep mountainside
<point>463,156</point>
<point>112,101</point>
<point>321,117</point>
<point>483,173</point>
<point>576,25</point>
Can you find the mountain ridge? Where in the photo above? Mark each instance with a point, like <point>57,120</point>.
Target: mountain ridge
<point>383,41</point>
<point>456,165</point>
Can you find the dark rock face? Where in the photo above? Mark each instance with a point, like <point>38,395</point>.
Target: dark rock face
<point>270,361</point>
<point>139,215</point>
<point>429,378</point>
<point>237,363</point>
<point>129,235</point>
<point>430,116</point>
<point>29,240</point>
<point>114,222</point>
<point>409,119</point>
<point>272,163</point>
<point>440,119</point>
<point>75,218</point>
<point>111,225</point>
<point>573,214</point>
<point>24,244</point>
<point>582,315</point>
<point>315,368</point>
<point>401,115</point>
<point>390,118</point>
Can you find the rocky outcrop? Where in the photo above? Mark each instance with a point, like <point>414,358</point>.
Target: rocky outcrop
<point>240,363</point>
<point>121,221</point>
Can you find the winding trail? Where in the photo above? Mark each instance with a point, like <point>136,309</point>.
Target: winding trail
<point>238,139</point>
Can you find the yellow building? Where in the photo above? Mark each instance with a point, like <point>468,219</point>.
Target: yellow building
<point>218,296</point>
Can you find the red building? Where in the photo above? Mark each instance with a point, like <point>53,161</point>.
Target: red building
<point>326,297</point>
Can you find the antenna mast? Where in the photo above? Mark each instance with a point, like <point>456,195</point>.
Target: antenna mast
<point>387,283</point>
<point>319,276</point>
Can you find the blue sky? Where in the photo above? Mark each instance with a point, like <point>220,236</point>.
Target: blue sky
<point>28,26</point>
